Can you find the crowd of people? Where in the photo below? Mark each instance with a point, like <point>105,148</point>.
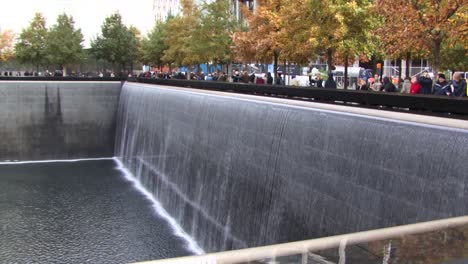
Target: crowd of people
<point>422,84</point>
<point>418,84</point>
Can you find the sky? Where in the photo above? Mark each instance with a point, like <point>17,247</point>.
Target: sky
<point>88,14</point>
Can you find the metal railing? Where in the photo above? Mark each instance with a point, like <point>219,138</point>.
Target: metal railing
<point>439,241</point>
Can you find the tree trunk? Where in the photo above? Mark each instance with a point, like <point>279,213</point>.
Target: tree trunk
<point>400,69</point>
<point>275,67</point>
<point>284,72</point>
<point>408,64</point>
<point>436,57</point>
<point>330,60</point>
<point>346,72</point>
<point>188,77</point>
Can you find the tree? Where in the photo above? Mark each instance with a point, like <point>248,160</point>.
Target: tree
<point>31,44</point>
<point>213,37</point>
<point>454,57</point>
<point>153,47</point>
<point>326,27</point>
<point>134,40</point>
<point>424,28</point>
<point>294,38</point>
<point>63,43</point>
<point>6,45</point>
<point>343,27</point>
<point>440,20</point>
<point>354,38</point>
<point>117,43</point>
<point>181,41</point>
<point>262,40</point>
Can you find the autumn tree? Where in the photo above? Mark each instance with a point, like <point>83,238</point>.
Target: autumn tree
<point>399,36</point>
<point>31,44</point>
<point>440,20</point>
<point>424,23</point>
<point>6,45</point>
<point>63,43</point>
<point>294,38</point>
<point>261,42</point>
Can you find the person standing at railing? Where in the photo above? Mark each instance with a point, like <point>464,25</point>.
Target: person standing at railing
<point>318,80</point>
<point>269,78</point>
<point>388,86</point>
<point>426,83</point>
<point>376,84</point>
<point>330,83</point>
<point>415,85</point>
<point>405,88</point>
<point>361,85</point>
<point>457,87</point>
<point>439,86</point>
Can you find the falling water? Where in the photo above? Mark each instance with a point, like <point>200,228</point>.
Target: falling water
<point>236,172</point>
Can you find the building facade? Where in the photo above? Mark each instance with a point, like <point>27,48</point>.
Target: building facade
<point>163,8</point>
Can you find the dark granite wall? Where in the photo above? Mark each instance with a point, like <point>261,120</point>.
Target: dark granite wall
<point>239,173</point>
<point>57,120</point>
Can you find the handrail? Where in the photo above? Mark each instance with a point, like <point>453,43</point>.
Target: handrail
<point>301,247</point>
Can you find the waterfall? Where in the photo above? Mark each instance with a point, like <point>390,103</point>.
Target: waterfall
<point>240,171</point>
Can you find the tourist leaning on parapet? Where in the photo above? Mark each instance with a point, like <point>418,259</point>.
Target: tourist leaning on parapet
<point>426,83</point>
<point>439,86</point>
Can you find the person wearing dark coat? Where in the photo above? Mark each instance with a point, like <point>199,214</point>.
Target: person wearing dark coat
<point>439,86</point>
<point>388,86</point>
<point>426,83</point>
<point>269,78</point>
<point>330,82</point>
<point>457,87</point>
<point>318,80</point>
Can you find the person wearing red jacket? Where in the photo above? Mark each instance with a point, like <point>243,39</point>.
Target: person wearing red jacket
<point>415,85</point>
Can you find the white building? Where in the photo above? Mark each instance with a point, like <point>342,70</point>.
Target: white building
<point>163,8</point>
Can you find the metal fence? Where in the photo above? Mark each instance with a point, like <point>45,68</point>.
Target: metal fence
<point>440,241</point>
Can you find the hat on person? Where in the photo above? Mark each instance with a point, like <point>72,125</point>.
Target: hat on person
<point>441,75</point>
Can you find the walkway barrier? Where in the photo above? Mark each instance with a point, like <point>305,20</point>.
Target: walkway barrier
<point>440,241</point>
<point>453,107</point>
